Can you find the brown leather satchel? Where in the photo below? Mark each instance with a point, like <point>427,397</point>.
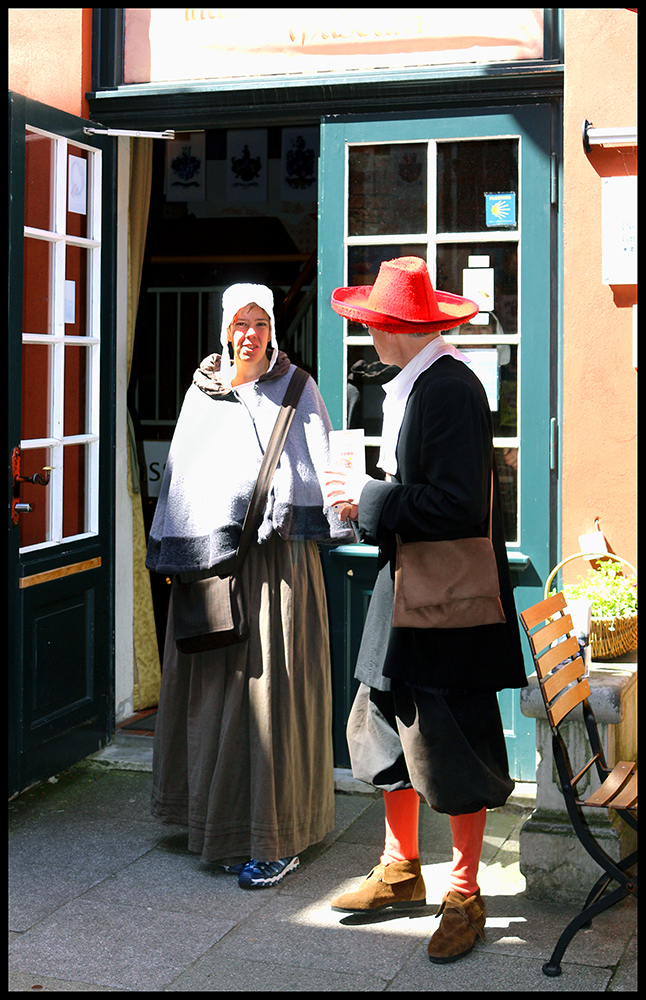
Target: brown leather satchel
<point>209,610</point>
<point>447,584</point>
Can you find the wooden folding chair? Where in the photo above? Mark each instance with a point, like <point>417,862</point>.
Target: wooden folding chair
<point>561,673</point>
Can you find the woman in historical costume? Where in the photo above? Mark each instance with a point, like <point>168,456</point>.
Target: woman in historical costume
<point>243,740</point>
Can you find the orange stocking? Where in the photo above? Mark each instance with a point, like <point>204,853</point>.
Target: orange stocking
<point>467,831</point>
<point>402,820</point>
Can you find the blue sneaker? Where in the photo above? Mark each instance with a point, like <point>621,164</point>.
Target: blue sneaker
<point>234,869</point>
<point>262,874</point>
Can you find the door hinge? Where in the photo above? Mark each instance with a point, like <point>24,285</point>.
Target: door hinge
<point>554,173</point>
<point>169,133</point>
<point>554,443</point>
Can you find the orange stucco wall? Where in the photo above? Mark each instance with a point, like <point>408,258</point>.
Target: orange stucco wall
<point>50,55</point>
<point>599,476</point>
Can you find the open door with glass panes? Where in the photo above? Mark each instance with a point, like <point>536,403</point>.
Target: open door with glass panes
<point>471,194</point>
<point>61,441</point>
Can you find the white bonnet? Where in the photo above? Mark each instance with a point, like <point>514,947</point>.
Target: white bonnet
<point>235,298</point>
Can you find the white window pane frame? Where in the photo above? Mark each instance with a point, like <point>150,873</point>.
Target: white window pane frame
<point>431,239</point>
<point>57,341</point>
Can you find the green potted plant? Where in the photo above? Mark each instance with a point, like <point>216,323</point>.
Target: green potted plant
<point>613,599</point>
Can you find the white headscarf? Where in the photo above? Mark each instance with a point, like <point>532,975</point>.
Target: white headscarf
<point>235,298</point>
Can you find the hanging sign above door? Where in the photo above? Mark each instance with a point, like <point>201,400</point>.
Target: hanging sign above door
<point>185,178</point>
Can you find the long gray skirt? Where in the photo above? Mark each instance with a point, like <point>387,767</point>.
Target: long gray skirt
<point>243,739</point>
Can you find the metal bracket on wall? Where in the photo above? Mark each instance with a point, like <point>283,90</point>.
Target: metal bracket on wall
<point>169,133</point>
<point>619,136</point>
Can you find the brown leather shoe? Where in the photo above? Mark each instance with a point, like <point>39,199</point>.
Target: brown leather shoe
<point>399,884</point>
<point>463,920</point>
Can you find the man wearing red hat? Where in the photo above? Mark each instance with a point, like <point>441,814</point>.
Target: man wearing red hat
<point>425,722</point>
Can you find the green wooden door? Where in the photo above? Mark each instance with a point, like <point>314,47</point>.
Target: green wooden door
<point>472,194</point>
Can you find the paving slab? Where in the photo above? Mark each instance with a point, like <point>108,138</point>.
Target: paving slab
<point>128,947</point>
<point>105,899</point>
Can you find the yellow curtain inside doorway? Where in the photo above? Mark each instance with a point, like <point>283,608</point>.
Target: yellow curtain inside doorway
<point>147,670</point>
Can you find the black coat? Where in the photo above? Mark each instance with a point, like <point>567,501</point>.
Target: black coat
<point>442,490</point>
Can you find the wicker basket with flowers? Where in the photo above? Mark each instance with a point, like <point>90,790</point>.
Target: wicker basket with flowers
<point>613,596</point>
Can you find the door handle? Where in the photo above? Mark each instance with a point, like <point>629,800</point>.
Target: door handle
<point>37,479</point>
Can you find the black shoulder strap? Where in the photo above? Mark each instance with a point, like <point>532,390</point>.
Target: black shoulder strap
<point>269,462</point>
<point>492,460</point>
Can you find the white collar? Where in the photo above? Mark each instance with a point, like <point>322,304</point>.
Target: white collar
<point>397,392</point>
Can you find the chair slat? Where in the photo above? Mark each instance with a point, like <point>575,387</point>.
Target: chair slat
<point>586,767</point>
<point>550,633</point>
<point>627,797</point>
<point>556,655</point>
<point>545,609</point>
<point>560,679</point>
<point>612,785</point>
<point>568,700</point>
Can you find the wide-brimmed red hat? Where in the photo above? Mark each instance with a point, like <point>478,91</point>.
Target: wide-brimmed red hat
<point>403,300</point>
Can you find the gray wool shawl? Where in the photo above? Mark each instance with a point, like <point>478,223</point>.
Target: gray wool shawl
<point>213,464</point>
